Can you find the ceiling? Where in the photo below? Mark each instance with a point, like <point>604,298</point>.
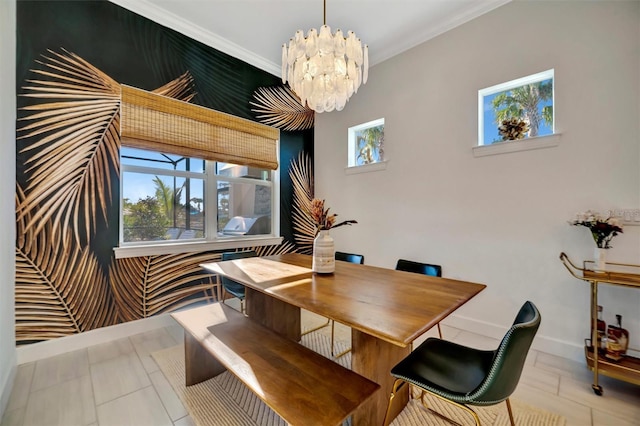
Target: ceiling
<point>255,30</point>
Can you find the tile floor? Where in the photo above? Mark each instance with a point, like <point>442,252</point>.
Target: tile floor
<point>118,383</point>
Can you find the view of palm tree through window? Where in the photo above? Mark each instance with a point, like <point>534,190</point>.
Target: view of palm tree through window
<point>519,109</point>
<point>164,197</point>
<point>366,143</point>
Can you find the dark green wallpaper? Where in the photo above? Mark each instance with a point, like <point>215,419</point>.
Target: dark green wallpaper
<point>138,52</point>
<point>66,286</point>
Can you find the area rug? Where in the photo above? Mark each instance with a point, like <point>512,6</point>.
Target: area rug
<point>225,401</point>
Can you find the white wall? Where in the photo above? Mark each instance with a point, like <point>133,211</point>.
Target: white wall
<point>500,220</point>
<point>7,198</point>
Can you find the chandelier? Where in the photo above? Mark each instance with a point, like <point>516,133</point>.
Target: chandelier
<point>325,69</point>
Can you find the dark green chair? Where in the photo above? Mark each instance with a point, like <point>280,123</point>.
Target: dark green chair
<point>421,268</point>
<point>233,287</point>
<point>350,257</point>
<point>465,376</point>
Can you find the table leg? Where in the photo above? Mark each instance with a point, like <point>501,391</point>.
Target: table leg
<point>275,314</point>
<point>199,365</point>
<point>373,358</point>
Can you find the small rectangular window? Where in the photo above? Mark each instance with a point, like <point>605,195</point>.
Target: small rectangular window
<point>366,143</point>
<point>518,109</point>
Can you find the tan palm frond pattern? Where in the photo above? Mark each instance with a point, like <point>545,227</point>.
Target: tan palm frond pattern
<point>301,173</point>
<point>58,292</point>
<point>280,107</point>
<point>181,88</point>
<point>151,285</point>
<point>70,141</point>
<point>75,122</point>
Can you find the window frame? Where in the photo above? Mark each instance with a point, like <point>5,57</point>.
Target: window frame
<point>482,148</point>
<point>211,241</point>
<point>352,167</point>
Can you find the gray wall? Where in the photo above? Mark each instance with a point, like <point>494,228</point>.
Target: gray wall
<point>7,194</point>
<point>500,220</point>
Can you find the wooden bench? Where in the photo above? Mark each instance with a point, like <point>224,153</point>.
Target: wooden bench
<point>300,385</point>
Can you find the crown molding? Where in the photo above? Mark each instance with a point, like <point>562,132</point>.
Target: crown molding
<point>423,36</point>
<point>170,20</point>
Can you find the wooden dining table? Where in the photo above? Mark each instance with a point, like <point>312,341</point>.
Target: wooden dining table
<point>386,310</point>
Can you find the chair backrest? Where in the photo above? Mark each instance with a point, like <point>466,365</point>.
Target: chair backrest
<point>509,358</point>
<point>231,286</point>
<point>349,257</point>
<point>419,268</point>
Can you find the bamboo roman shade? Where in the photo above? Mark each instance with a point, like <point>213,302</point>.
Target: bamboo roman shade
<point>159,123</point>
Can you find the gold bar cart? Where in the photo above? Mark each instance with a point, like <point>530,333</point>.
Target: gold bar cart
<point>628,368</point>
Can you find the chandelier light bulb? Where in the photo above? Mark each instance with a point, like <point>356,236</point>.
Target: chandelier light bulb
<point>325,69</point>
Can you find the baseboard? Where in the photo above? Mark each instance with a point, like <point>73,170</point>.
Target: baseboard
<point>41,350</point>
<point>46,349</point>
<point>550,345</point>
<point>7,387</point>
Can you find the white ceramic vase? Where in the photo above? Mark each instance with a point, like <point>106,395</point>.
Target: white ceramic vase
<point>600,258</point>
<point>324,253</point>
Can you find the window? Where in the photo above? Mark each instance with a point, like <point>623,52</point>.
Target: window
<point>518,109</point>
<point>168,198</point>
<point>366,144</point>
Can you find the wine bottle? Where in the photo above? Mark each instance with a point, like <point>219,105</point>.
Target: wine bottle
<point>621,334</point>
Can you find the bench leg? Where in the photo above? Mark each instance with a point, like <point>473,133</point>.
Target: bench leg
<point>199,364</point>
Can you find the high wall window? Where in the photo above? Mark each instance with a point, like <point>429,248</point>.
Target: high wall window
<point>167,198</point>
<point>366,143</point>
<point>518,109</point>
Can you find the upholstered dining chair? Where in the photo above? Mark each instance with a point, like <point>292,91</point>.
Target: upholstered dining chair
<point>344,257</point>
<point>465,376</point>
<point>350,257</point>
<point>421,268</point>
<point>232,287</point>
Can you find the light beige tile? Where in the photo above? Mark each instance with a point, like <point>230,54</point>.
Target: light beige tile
<point>540,379</point>
<point>625,405</point>
<point>118,376</point>
<point>13,417</point>
<point>576,414</point>
<point>475,341</point>
<point>68,403</point>
<point>563,366</point>
<point>110,350</point>
<point>151,341</point>
<point>140,408</point>
<point>59,369</point>
<point>601,418</point>
<point>169,399</point>
<point>21,386</point>
<point>185,421</point>
<point>177,332</point>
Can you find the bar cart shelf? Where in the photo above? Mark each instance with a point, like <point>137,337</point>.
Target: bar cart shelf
<point>628,368</point>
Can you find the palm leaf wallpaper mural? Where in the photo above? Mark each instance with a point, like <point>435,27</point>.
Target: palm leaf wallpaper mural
<point>57,295</point>
<point>68,189</point>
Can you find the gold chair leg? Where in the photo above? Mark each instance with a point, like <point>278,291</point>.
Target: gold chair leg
<point>396,384</point>
<point>510,412</point>
<point>343,353</point>
<point>317,328</point>
<point>457,404</point>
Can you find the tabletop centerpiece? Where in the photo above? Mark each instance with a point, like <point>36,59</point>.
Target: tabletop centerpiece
<point>603,229</point>
<point>324,254</point>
